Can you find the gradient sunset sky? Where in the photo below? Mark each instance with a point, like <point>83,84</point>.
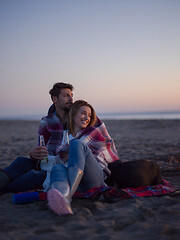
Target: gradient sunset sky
<point>120,55</point>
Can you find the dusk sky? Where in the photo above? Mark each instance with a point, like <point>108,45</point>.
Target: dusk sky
<point>120,55</point>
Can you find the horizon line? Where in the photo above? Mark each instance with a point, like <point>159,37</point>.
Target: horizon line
<point>108,115</point>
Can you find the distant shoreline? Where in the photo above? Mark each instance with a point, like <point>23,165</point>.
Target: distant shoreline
<point>111,116</point>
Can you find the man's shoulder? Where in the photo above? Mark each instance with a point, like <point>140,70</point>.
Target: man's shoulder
<point>51,124</point>
<point>50,115</point>
<point>50,119</point>
<point>43,122</point>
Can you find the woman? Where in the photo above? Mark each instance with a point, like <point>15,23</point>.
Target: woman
<point>88,156</point>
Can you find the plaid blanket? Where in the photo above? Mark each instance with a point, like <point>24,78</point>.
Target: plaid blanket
<point>52,130</point>
<point>100,143</point>
<point>112,194</point>
<point>108,194</point>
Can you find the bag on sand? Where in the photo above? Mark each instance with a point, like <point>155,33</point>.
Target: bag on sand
<point>134,174</point>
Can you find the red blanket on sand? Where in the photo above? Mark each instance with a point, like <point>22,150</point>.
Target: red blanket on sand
<point>110,194</point>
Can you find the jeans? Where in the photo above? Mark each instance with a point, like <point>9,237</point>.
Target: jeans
<point>24,176</point>
<point>80,156</point>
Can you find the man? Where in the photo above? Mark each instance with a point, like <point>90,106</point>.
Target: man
<point>24,173</point>
<point>52,126</point>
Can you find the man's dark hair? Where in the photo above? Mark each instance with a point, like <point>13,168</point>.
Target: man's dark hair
<point>56,90</point>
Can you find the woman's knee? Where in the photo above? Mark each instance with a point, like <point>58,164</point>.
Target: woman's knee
<point>76,142</point>
<point>78,145</point>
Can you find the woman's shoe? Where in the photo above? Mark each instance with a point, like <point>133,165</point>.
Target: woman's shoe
<point>61,192</point>
<point>58,203</point>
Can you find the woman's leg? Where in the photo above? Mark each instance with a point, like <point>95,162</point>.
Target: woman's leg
<point>59,198</point>
<point>80,156</point>
<point>66,180</point>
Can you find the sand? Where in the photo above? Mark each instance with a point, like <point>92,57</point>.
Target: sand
<point>139,218</point>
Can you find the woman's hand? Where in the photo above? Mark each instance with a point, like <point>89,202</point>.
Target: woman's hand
<point>64,156</point>
<point>38,153</point>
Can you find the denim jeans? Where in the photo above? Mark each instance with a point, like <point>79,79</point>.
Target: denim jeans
<point>24,176</point>
<point>80,156</point>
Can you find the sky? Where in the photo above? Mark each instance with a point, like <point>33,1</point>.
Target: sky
<point>120,55</point>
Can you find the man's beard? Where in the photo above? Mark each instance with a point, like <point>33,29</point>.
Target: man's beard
<point>67,108</point>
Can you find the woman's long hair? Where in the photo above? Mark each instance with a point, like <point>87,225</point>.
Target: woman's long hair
<point>73,111</point>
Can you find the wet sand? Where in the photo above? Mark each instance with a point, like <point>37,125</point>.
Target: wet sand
<point>144,218</point>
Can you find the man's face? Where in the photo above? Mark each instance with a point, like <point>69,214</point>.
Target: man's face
<point>65,99</point>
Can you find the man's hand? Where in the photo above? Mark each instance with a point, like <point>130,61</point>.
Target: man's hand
<point>38,153</point>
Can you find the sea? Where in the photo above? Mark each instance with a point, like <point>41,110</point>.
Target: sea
<point>111,116</point>
<point>140,116</point>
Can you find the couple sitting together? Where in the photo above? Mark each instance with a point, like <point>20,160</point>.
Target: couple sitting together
<point>78,164</point>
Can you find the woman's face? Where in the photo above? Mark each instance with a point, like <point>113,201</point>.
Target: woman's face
<point>82,118</point>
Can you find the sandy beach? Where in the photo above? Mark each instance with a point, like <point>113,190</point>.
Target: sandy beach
<point>138,218</point>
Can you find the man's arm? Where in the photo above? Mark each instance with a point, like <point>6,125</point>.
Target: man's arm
<point>43,130</point>
<point>40,152</point>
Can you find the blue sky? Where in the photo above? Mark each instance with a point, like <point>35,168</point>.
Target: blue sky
<point>121,56</point>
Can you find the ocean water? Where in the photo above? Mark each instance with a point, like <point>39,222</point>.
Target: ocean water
<point>140,116</point>
<point>111,116</point>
